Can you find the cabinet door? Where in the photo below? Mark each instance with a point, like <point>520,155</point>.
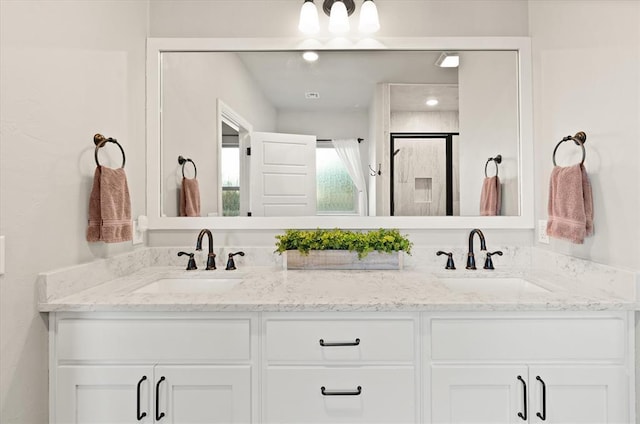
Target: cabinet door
<point>204,394</point>
<point>576,395</point>
<point>103,394</point>
<point>477,394</point>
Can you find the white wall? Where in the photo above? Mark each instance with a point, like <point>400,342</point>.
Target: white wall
<point>446,121</point>
<point>68,69</point>
<point>586,58</point>
<point>488,89</point>
<point>279,18</point>
<point>192,85</point>
<point>328,124</point>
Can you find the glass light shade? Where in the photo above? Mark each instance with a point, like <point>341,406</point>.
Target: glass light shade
<point>309,23</point>
<point>338,18</point>
<point>369,22</point>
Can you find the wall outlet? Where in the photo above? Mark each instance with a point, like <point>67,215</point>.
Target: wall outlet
<point>542,232</point>
<point>2,249</point>
<point>138,233</point>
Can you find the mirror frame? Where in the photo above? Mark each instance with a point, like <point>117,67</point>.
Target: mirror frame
<point>157,46</point>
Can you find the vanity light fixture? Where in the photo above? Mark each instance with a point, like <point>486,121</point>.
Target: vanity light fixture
<point>310,56</point>
<point>431,102</point>
<point>338,12</point>
<point>448,60</point>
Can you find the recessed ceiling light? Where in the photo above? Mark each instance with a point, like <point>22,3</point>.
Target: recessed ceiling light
<point>431,102</point>
<point>310,56</point>
<point>448,60</point>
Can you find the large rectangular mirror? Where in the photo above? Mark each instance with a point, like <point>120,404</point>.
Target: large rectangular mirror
<point>383,136</point>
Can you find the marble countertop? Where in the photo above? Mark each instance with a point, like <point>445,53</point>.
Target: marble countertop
<point>273,289</point>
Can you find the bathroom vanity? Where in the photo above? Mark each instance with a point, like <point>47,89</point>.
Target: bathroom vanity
<point>132,340</point>
<point>339,346</point>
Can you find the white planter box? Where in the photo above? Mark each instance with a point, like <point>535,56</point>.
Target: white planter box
<point>341,259</point>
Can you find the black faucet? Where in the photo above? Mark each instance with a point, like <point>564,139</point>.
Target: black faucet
<point>191,265</point>
<point>488,262</point>
<point>471,260</point>
<point>231,264</point>
<point>450,264</point>
<point>211,257</point>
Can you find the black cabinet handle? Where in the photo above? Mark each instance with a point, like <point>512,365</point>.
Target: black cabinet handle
<point>543,416</point>
<point>357,392</point>
<point>326,344</point>
<point>524,398</point>
<point>161,414</point>
<point>138,414</point>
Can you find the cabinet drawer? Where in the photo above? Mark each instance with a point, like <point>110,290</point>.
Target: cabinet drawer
<point>563,339</point>
<point>294,395</point>
<point>153,340</point>
<point>363,340</point>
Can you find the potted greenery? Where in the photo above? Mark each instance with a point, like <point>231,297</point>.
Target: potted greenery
<point>342,249</point>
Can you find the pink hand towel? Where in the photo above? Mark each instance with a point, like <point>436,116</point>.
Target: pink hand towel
<point>109,207</point>
<point>490,197</point>
<point>190,197</point>
<point>570,204</point>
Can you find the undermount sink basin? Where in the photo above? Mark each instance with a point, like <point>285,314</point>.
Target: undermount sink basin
<point>491,285</point>
<point>190,285</point>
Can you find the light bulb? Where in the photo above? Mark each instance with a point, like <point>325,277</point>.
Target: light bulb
<point>369,22</point>
<point>431,102</point>
<point>309,23</point>
<point>338,18</point>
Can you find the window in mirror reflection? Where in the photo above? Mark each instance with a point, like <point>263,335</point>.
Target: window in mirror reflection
<point>230,169</point>
<point>336,193</point>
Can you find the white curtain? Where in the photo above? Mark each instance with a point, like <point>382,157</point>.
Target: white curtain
<point>349,152</point>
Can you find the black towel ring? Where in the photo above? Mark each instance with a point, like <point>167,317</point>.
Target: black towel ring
<point>100,141</point>
<point>580,138</point>
<point>182,161</point>
<point>496,161</point>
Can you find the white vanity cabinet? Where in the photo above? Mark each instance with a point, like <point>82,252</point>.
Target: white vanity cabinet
<point>351,367</point>
<point>146,368</point>
<point>341,368</point>
<point>528,367</point>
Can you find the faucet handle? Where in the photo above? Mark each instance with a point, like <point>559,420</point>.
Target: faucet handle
<point>231,264</point>
<point>450,264</point>
<point>488,263</point>
<point>191,265</point>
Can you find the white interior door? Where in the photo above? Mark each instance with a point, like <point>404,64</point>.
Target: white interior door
<point>283,174</point>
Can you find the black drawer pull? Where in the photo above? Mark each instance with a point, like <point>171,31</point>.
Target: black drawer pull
<point>327,344</point>
<point>354,393</point>
<point>543,416</point>
<point>524,398</point>
<point>161,414</point>
<point>139,416</point>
